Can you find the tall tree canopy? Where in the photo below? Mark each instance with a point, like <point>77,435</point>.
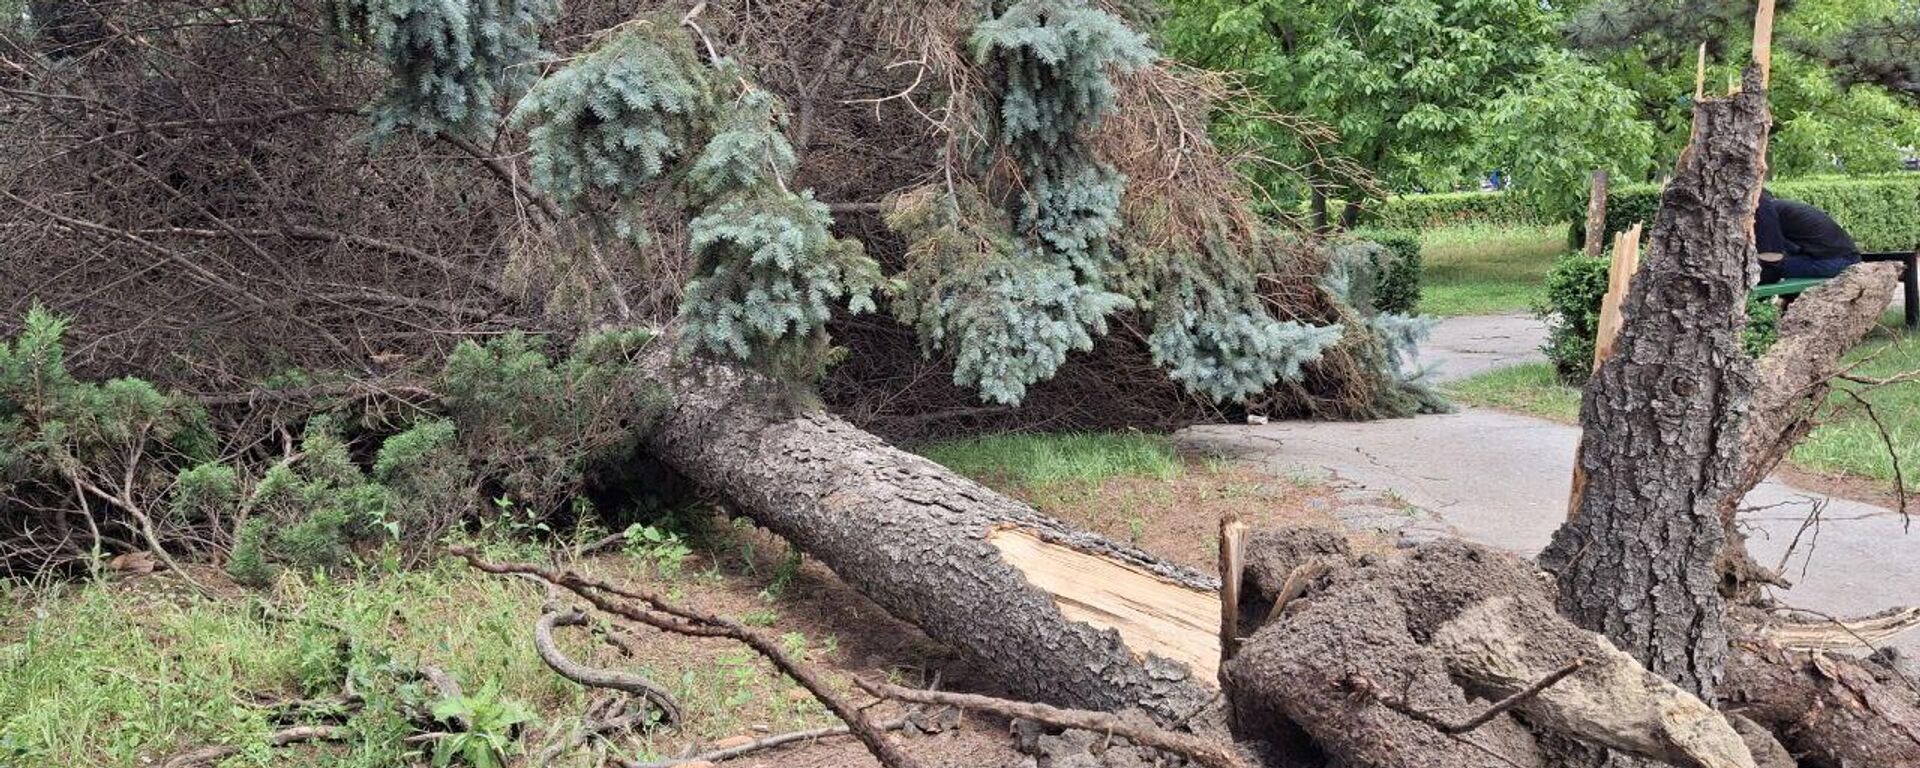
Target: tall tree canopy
<point>1411,86</point>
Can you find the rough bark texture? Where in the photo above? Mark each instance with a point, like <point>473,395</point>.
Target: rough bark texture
<point>1833,711</point>
<point>1442,630</point>
<point>1638,562</point>
<point>912,536</point>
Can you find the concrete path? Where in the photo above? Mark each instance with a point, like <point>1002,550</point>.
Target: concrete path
<point>1463,347</point>
<point>1503,479</point>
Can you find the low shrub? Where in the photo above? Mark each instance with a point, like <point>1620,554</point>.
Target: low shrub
<point>1396,270</point>
<point>1881,212</point>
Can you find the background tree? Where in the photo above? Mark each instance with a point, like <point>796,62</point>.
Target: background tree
<point>1831,108</point>
<point>1405,84</point>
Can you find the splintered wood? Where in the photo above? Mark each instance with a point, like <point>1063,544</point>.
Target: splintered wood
<point>1152,614</point>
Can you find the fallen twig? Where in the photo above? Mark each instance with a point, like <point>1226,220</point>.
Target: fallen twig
<point>1202,751</point>
<point>776,740</point>
<point>295,735</point>
<point>1368,688</point>
<point>662,614</point>
<point>593,677</point>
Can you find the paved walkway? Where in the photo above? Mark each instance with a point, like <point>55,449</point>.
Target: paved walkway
<point>1503,480</point>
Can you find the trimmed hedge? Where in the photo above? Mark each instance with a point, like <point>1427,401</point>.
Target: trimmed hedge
<point>1430,211</point>
<point>1881,212</point>
<point>1397,289</point>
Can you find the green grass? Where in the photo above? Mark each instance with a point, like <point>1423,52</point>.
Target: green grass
<point>1847,443</point>
<point>1850,442</point>
<point>125,674</point>
<point>1530,388</point>
<point>1035,460</point>
<point>99,673</point>
<point>1480,269</point>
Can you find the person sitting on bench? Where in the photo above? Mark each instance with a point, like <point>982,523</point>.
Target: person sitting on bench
<point>1798,240</point>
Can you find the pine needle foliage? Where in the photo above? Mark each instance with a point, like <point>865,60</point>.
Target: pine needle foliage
<point>1012,314</point>
<point>618,119</point>
<point>452,62</point>
<point>642,115</point>
<point>1214,337</point>
<point>768,271</point>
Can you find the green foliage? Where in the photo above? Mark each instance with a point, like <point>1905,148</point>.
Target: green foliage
<point>247,562</point>
<point>451,63</point>
<point>537,428</point>
<point>1010,291</point>
<point>1354,274</point>
<point>1218,341</point>
<point>1821,124</point>
<point>1446,209</point>
<point>619,118</point>
<point>1878,211</point>
<point>971,289</point>
<point>67,444</point>
<point>1558,124</point>
<point>1396,266</point>
<point>1405,85</point>
<point>663,547</point>
<point>768,271</point>
<point>1571,309</point>
<point>491,734</point>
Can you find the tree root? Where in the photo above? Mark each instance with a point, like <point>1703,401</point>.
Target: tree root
<point>1446,628</point>
<point>591,677</point>
<point>283,738</point>
<point>1141,731</point>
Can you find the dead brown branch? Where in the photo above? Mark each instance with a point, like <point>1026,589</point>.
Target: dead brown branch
<point>765,743</point>
<point>1370,689</point>
<point>632,684</point>
<point>288,737</point>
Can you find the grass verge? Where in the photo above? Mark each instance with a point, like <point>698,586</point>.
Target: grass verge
<point>1481,269</point>
<point>1849,442</point>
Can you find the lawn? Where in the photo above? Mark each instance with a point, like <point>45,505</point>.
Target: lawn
<point>1848,443</point>
<point>1482,270</point>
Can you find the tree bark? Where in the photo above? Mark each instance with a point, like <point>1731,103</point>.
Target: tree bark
<point>1597,215</point>
<point>928,545</point>
<point>1639,562</point>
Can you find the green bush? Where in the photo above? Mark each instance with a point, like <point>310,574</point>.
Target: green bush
<point>1571,309</point>
<point>1396,288</point>
<point>1575,287</point>
<point>1881,212</point>
<point>1432,211</point>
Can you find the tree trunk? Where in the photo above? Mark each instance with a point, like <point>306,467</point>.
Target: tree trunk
<point>1350,215</point>
<point>1317,204</point>
<point>1051,612</point>
<point>1639,561</point>
<point>1597,214</point>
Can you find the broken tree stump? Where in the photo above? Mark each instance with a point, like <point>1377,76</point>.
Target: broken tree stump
<point>1639,560</point>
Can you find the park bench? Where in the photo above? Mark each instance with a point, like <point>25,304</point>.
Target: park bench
<point>1909,282</point>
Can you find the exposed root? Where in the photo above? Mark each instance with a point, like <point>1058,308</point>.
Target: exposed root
<point>296,735</point>
<point>591,677</point>
<point>1140,730</point>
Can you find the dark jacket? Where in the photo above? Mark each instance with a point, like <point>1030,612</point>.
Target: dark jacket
<point>1800,231</point>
